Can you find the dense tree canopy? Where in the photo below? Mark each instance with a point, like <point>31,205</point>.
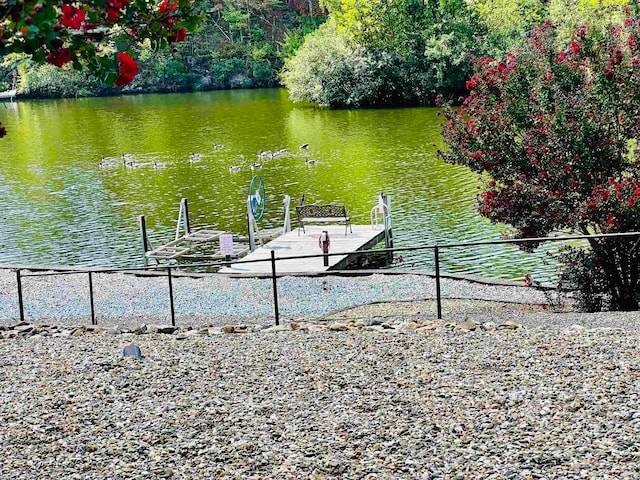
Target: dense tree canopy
<point>400,51</point>
<point>426,44</point>
<point>391,52</point>
<point>557,133</point>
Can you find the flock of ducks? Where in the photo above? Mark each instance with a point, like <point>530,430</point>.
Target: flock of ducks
<point>128,160</point>
<point>264,155</point>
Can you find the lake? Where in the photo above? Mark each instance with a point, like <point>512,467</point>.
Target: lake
<point>61,208</point>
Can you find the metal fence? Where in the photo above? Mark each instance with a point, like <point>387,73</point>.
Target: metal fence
<point>22,273</point>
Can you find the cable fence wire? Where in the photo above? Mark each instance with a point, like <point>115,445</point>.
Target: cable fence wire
<point>188,297</point>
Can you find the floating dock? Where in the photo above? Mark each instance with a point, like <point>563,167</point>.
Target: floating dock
<point>346,240</point>
<point>292,244</point>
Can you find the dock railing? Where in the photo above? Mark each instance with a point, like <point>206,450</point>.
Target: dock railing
<point>25,272</point>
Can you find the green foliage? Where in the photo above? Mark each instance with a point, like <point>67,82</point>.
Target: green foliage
<point>436,39</point>
<point>582,274</point>
<point>321,71</point>
<point>383,53</point>
<point>60,32</point>
<point>50,81</point>
<point>262,73</point>
<point>239,44</point>
<point>600,15</point>
<point>224,70</point>
<point>293,39</point>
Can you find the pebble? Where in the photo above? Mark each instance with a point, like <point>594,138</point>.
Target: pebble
<point>342,399</point>
<point>345,387</point>
<point>128,300</point>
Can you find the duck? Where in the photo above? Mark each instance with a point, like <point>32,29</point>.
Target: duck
<point>158,165</point>
<point>128,160</point>
<point>235,168</point>
<point>107,161</point>
<point>280,153</point>
<point>304,146</point>
<point>218,146</point>
<point>195,157</point>
<point>255,166</point>
<point>263,154</point>
<point>310,162</point>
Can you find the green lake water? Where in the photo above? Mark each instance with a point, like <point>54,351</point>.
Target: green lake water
<point>60,208</point>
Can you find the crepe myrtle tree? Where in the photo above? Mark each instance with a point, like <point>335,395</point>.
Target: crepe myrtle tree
<point>555,136</point>
<point>92,34</point>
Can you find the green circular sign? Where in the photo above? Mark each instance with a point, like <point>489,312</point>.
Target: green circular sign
<point>257,197</point>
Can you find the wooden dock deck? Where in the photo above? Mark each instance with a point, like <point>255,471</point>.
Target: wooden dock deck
<point>292,245</point>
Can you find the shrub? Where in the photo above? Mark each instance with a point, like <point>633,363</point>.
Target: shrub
<point>556,132</point>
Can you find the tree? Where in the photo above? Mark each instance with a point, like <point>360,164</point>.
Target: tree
<point>92,34</point>
<point>556,133</point>
<point>383,53</point>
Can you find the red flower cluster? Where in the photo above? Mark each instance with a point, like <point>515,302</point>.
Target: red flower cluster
<point>114,7</point>
<point>128,69</point>
<point>472,84</point>
<point>179,35</point>
<point>72,17</point>
<point>166,6</point>
<point>59,57</point>
<point>174,34</point>
<point>613,207</point>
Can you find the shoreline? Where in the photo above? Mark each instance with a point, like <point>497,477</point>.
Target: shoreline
<point>222,299</point>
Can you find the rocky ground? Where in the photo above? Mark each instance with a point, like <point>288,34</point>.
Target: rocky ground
<point>377,392</point>
<point>217,299</point>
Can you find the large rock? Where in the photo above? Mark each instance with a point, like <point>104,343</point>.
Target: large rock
<point>132,351</point>
<point>167,329</point>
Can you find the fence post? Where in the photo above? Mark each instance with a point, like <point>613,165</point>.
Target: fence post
<point>173,314</point>
<point>275,287</point>
<point>436,253</point>
<point>93,310</point>
<point>20,301</point>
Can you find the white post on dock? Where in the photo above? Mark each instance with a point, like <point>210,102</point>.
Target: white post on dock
<point>183,219</point>
<point>287,215</point>
<point>388,232</point>
<point>250,226</point>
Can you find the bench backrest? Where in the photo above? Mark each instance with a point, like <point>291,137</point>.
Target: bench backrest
<point>309,211</point>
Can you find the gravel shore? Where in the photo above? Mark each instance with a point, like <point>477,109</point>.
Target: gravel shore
<point>502,388</point>
<point>217,299</point>
<point>531,397</point>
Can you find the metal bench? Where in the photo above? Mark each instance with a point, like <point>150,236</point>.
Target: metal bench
<point>323,214</point>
